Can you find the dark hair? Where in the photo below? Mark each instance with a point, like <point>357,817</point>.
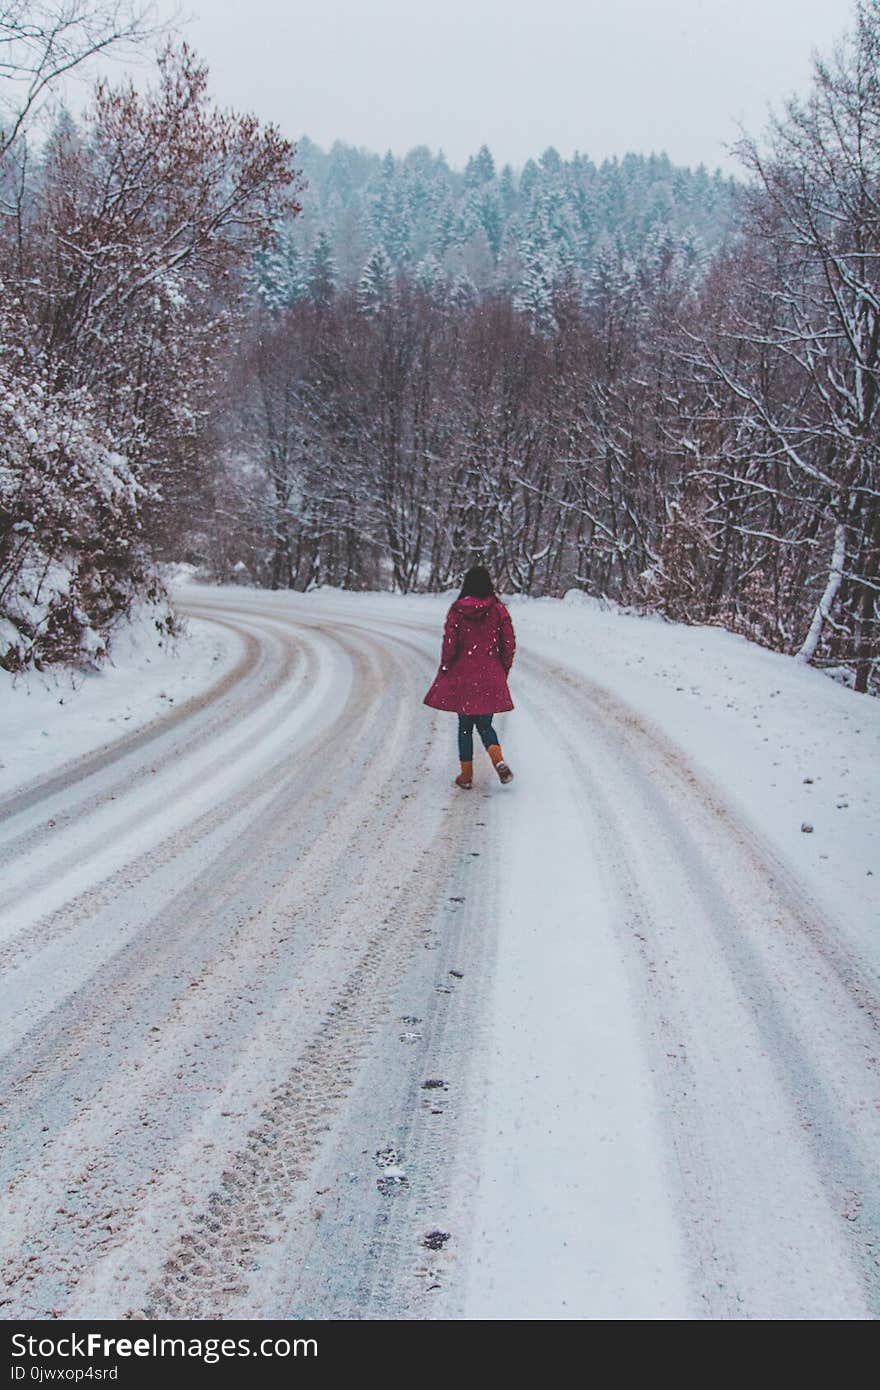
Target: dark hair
<point>477,584</point>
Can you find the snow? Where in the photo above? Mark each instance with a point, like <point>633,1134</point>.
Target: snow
<point>572,1184</point>
<point>575,1183</point>
<point>578,1170</point>
<point>645,988</point>
<point>61,716</point>
<point>784,742</point>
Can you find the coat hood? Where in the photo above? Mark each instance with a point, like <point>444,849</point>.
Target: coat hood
<point>474,609</point>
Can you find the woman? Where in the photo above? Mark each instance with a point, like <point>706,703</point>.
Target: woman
<point>478,648</point>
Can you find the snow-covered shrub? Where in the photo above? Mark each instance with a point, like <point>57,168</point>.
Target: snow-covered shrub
<point>71,559</point>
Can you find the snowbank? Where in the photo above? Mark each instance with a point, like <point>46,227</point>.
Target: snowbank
<point>53,718</point>
<point>790,747</point>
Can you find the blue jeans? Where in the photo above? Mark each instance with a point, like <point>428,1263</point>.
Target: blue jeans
<point>466,724</point>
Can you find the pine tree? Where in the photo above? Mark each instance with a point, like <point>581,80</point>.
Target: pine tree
<point>64,132</point>
<point>534,294</point>
<point>382,199</point>
<point>321,271</point>
<point>507,191</point>
<point>693,250</point>
<point>511,258</point>
<point>429,276</point>
<point>280,274</point>
<point>480,168</point>
<point>551,162</point>
<point>415,205</point>
<point>528,179</point>
<point>399,226</point>
<point>611,276</point>
<point>491,219</point>
<point>446,231</point>
<point>376,285</point>
<point>463,293</point>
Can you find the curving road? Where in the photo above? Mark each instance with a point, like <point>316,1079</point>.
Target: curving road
<point>290,1027</point>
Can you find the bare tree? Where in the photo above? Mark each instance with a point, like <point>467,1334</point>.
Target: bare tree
<point>799,354</point>
<point>42,41</point>
<point>122,280</point>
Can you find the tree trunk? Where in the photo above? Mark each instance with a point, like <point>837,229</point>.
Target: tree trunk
<point>826,602</point>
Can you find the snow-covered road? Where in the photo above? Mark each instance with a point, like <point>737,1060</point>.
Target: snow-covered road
<point>291,1027</point>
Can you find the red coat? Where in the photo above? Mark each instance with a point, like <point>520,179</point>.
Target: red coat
<point>478,648</point>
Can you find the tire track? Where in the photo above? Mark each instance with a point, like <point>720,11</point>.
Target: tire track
<point>71,854</point>
<point>202,721</point>
<point>258,1087</point>
<point>226,937</point>
<point>268,1185</point>
<point>740,912</point>
<point>74,773</point>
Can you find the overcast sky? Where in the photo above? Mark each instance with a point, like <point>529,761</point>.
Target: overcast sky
<point>601,76</point>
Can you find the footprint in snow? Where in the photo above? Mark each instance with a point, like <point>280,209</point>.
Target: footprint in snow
<point>393,1176</point>
<point>435,1240</point>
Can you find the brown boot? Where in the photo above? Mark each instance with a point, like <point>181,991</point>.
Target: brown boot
<point>465,778</point>
<point>504,772</point>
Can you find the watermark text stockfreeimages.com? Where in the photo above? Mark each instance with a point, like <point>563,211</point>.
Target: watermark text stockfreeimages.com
<point>94,1346</point>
